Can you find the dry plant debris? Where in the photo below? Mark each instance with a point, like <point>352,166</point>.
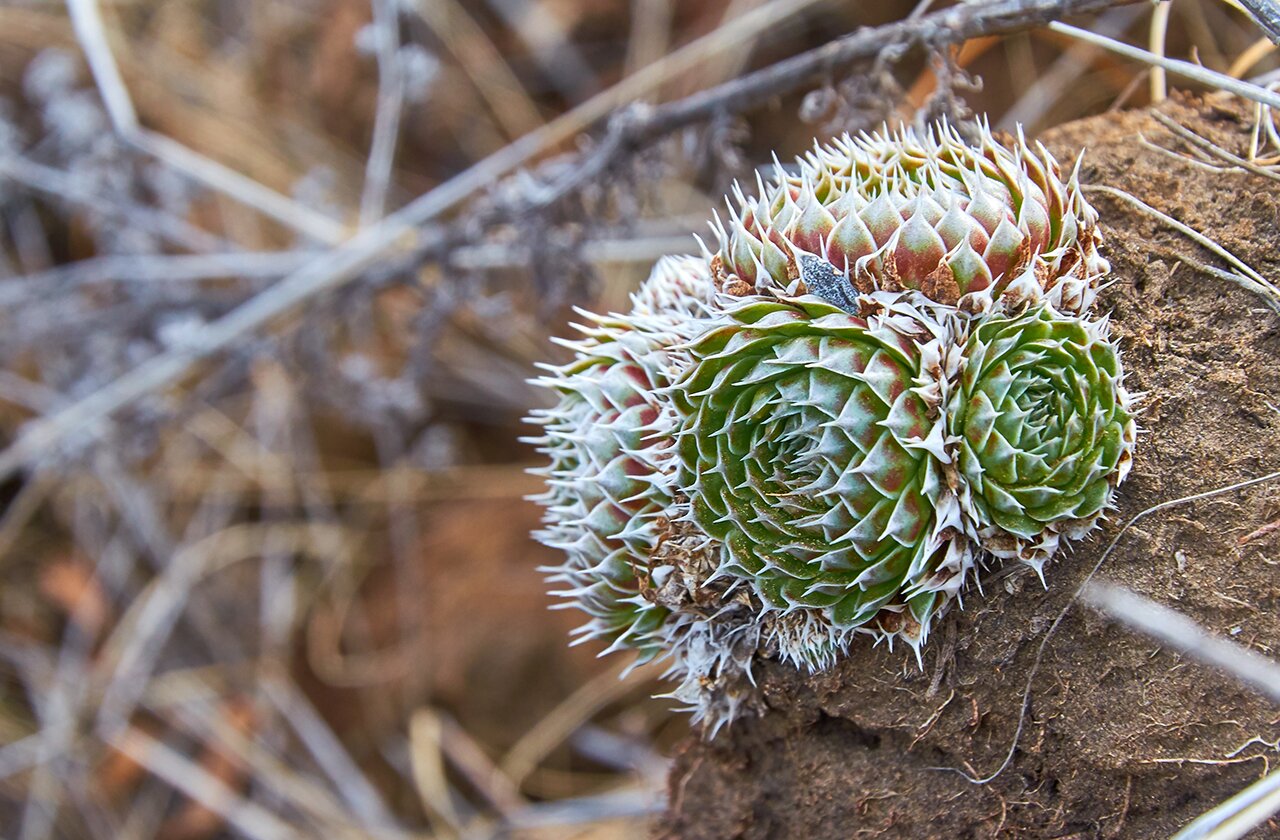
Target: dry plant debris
<point>272,278</point>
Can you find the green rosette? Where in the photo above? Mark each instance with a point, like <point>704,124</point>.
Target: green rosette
<point>1044,429</point>
<point>802,448</point>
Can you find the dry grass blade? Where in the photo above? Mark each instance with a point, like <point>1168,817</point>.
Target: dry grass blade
<point>128,655</point>
<point>481,773</point>
<point>1231,277</point>
<point>426,756</point>
<point>1247,278</point>
<point>1174,630</point>
<point>1049,86</point>
<point>1159,32</point>
<point>386,123</point>
<point>1180,157</point>
<point>582,811</point>
<point>1239,815</point>
<point>87,19</point>
<point>1213,148</point>
<point>1186,69</point>
<point>356,790</point>
<point>550,732</point>
<point>185,775</point>
<point>20,510</point>
<point>204,718</point>
<point>1245,62</point>
<point>486,66</point>
<point>651,30</point>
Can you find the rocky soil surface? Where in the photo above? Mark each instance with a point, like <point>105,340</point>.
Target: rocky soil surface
<point>1122,738</point>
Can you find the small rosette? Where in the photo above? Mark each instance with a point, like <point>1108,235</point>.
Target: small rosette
<point>971,225</point>
<point>1044,429</point>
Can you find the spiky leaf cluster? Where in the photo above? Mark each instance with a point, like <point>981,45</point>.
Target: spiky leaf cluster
<point>604,438</point>
<point>803,448</point>
<point>886,372</point>
<point>964,224</point>
<point>1043,427</point>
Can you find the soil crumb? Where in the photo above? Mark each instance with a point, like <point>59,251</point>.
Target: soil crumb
<point>1122,739</point>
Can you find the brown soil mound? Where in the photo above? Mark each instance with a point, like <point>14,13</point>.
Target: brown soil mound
<point>1122,739</point>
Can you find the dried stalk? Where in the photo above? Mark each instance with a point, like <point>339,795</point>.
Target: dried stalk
<point>86,17</point>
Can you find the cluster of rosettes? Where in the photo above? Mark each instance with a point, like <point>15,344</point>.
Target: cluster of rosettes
<point>885,372</point>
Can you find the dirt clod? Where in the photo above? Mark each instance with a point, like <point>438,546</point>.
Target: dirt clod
<point>1122,739</point>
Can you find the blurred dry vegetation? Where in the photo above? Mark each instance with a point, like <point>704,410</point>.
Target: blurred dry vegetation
<point>291,592</point>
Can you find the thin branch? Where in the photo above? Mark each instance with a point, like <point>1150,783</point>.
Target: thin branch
<point>268,265</point>
<point>153,268</point>
<point>216,176</point>
<point>86,19</point>
<point>639,250</point>
<point>398,230</point>
<point>61,185</point>
<point>386,120</point>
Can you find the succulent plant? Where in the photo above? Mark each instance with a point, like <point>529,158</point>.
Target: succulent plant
<point>677,287</point>
<point>603,438</point>
<point>1043,427</point>
<point>804,449</point>
<point>886,371</point>
<point>964,224</point>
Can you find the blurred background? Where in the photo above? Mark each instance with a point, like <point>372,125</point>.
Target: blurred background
<point>281,584</point>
